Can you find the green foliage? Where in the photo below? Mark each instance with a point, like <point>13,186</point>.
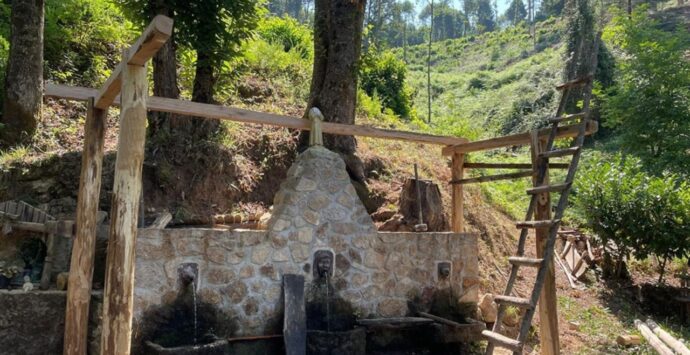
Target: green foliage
<point>82,39</point>
<point>383,74</point>
<point>650,105</point>
<point>643,215</point>
<point>289,33</point>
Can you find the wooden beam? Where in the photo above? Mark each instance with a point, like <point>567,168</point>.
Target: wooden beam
<point>188,108</point>
<point>84,247</point>
<point>119,276</point>
<point>517,139</point>
<point>458,203</point>
<point>150,41</point>
<point>511,166</point>
<point>548,303</point>
<point>517,175</point>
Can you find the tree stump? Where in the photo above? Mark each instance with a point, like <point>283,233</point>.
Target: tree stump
<point>432,205</point>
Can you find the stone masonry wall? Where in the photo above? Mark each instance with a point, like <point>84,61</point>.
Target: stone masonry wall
<point>315,209</point>
<point>241,271</point>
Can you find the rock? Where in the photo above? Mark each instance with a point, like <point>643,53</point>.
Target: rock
<point>488,308</point>
<point>382,215</point>
<point>263,221</point>
<point>512,317</point>
<point>62,279</point>
<point>260,254</point>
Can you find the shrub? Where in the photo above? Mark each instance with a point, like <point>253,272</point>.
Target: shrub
<point>643,215</point>
<point>288,33</point>
<point>383,75</point>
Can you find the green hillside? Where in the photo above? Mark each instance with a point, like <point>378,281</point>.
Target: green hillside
<point>498,82</point>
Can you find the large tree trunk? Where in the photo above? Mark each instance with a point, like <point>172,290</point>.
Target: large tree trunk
<point>204,81</point>
<point>165,78</point>
<point>24,79</point>
<point>337,45</point>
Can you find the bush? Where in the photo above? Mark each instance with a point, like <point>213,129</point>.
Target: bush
<point>288,33</point>
<point>643,215</point>
<point>82,39</point>
<point>383,75</point>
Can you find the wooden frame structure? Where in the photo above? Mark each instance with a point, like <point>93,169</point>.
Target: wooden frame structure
<point>127,87</point>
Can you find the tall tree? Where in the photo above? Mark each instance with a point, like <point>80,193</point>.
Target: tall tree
<point>24,77</point>
<point>215,30</point>
<point>338,28</point>
<point>485,16</point>
<point>516,12</point>
<point>579,45</point>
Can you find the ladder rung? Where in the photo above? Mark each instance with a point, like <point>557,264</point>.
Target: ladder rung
<point>502,340</point>
<point>537,224</point>
<point>513,301</point>
<point>547,188</point>
<point>574,83</point>
<point>559,152</point>
<point>566,118</point>
<point>525,261</point>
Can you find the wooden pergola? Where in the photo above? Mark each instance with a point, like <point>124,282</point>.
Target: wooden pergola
<point>127,87</point>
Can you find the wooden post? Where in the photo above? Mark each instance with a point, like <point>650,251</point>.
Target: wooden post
<point>458,222</point>
<point>84,248</point>
<point>548,306</point>
<point>119,277</point>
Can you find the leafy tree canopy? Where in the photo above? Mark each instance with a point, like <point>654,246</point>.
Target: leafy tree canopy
<point>650,105</point>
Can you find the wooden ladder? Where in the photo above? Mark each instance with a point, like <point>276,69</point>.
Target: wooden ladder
<point>494,337</point>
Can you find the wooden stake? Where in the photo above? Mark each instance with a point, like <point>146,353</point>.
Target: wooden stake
<point>548,306</point>
<point>458,220</point>
<point>84,247</point>
<point>119,278</point>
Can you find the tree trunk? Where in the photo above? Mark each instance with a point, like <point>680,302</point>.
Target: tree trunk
<point>337,45</point>
<point>24,79</point>
<point>204,81</point>
<point>165,78</point>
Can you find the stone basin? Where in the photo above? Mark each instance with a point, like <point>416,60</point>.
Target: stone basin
<point>348,342</point>
<point>218,347</point>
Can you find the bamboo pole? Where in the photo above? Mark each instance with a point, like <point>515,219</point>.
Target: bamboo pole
<point>457,205</point>
<point>119,279</point>
<point>84,248</point>
<point>652,339</point>
<point>548,305</point>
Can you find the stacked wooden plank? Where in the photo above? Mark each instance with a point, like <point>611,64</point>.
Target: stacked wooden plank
<point>577,252</point>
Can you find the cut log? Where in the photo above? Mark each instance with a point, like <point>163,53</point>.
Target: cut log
<point>432,205</point>
<point>667,338</point>
<point>161,221</point>
<point>295,319</point>
<point>627,340</point>
<point>653,340</point>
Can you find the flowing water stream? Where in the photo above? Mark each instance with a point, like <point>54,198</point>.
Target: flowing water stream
<point>195,311</point>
